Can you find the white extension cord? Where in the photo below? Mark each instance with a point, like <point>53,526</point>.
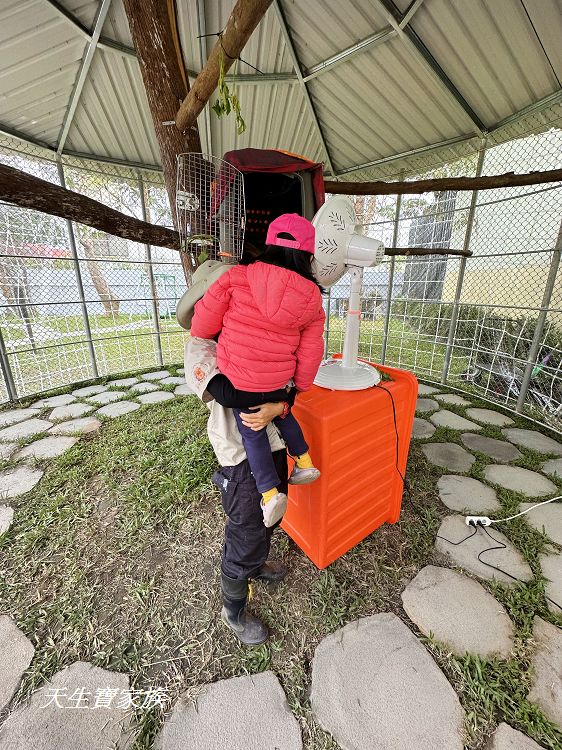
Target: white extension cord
<point>485,521</point>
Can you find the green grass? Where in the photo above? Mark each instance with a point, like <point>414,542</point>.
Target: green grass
<point>113,559</point>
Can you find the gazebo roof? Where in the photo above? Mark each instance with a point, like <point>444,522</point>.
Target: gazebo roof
<point>362,85</point>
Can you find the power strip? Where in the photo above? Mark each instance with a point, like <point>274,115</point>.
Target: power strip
<point>477,521</point>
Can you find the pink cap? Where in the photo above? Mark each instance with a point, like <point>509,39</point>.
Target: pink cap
<point>297,226</point>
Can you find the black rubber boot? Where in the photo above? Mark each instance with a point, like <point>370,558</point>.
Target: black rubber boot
<point>271,571</point>
<point>246,627</point>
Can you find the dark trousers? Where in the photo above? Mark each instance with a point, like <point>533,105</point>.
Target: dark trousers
<point>246,539</point>
<point>258,450</point>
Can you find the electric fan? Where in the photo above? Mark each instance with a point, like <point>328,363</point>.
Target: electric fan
<point>339,249</point>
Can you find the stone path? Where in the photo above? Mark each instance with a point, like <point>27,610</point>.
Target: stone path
<point>516,479</point>
<point>547,518</point>
<point>364,674</point>
<point>16,653</point>
<point>449,456</point>
<point>458,612</point>
<point>46,727</point>
<point>507,738</point>
<point>546,663</point>
<point>242,713</point>
<point>375,685</point>
<point>465,493</point>
<point>426,390</point>
<point>465,553</point>
<point>551,566</point>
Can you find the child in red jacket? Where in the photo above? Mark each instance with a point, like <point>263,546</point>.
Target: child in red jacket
<point>271,323</point>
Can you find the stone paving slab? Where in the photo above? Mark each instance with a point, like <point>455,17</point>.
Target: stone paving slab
<point>123,382</point>
<point>242,713</point>
<point>183,390</point>
<point>76,426</point>
<point>118,409</point>
<point>452,398</point>
<point>52,401</point>
<point>425,405</point>
<point>155,397</point>
<point>48,447</point>
<point>72,411</point>
<point>533,440</point>
<point>499,450</point>
<point>35,725</point>
<point>12,416</point>
<point>446,418</point>
<point>16,653</point>
<point>157,375</point>
<point>375,686</point>
<point>458,612</point>
<point>507,738</point>
<point>17,481</point>
<point>520,480</point>
<point>465,493</point>
<point>546,663</point>
<point>89,390</point>
<point>554,467</point>
<point>448,456</point>
<point>6,518</point>
<point>547,517</point>
<point>6,449</point>
<point>143,388</point>
<point>551,566</point>
<point>422,429</point>
<point>453,529</point>
<point>426,390</point>
<point>24,430</point>
<point>180,371</point>
<point>172,380</point>
<point>489,416</point>
<point>107,397</point>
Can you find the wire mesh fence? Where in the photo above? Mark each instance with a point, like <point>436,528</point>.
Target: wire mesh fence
<point>76,303</point>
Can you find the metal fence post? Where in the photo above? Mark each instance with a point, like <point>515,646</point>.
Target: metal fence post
<point>462,268</point>
<point>74,251</point>
<point>327,331</point>
<point>391,276</point>
<point>541,320</point>
<point>151,279</point>
<point>7,370</point>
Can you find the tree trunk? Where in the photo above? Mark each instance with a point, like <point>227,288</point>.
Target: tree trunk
<point>153,29</point>
<point>244,18</point>
<point>109,301</point>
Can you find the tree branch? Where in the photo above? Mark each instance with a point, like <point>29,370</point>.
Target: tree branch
<point>244,18</point>
<point>28,191</point>
<point>510,179</point>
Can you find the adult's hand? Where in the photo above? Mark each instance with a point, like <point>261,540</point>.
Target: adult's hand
<point>260,416</point>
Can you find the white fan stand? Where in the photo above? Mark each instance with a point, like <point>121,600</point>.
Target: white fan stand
<point>338,250</point>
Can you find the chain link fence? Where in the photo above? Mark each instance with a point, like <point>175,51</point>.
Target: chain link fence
<point>76,303</point>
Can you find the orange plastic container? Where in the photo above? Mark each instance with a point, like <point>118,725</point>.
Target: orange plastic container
<point>352,441</point>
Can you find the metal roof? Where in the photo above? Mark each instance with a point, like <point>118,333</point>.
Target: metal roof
<point>359,84</point>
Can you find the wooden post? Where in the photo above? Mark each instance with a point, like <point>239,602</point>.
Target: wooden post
<point>153,29</point>
<point>244,18</point>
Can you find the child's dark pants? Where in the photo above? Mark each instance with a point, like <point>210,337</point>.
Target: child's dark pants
<point>258,450</point>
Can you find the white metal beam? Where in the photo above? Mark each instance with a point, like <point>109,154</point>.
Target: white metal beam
<point>296,64</point>
<point>370,41</point>
<point>89,53</point>
<point>201,31</point>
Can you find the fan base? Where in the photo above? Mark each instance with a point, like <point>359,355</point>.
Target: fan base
<point>334,376</point>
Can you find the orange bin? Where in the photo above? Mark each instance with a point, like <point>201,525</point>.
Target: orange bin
<point>352,441</point>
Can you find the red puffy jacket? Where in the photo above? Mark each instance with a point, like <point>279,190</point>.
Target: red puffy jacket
<point>271,322</point>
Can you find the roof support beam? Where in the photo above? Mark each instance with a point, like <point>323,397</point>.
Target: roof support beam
<point>367,43</point>
<point>296,64</point>
<point>396,19</point>
<point>83,72</point>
